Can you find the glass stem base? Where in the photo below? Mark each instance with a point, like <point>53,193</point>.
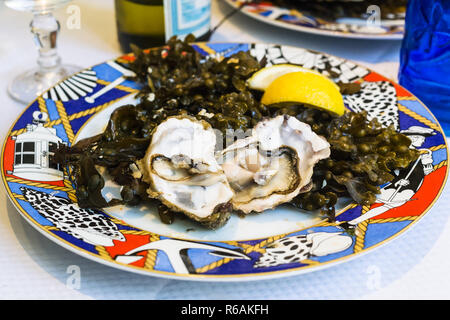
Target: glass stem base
<point>27,86</point>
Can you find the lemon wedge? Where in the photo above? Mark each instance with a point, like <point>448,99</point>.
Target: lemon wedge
<point>305,87</point>
<point>261,79</point>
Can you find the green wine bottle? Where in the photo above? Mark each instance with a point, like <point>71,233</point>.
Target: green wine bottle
<point>150,23</point>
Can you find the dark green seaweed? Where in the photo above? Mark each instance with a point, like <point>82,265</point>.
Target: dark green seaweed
<point>333,10</point>
<point>179,81</point>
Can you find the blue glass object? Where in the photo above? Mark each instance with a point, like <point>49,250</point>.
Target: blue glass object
<point>425,56</point>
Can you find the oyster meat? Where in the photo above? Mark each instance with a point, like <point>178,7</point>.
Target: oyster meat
<point>274,164</point>
<point>183,173</point>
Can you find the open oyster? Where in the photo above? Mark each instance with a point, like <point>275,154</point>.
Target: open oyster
<point>274,164</point>
<point>183,173</point>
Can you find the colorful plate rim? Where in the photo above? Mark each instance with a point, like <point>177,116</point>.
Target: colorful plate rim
<point>231,260</point>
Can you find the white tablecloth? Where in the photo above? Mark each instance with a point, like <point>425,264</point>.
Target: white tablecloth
<point>413,266</point>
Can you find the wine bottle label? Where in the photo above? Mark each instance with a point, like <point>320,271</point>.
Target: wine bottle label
<point>183,17</point>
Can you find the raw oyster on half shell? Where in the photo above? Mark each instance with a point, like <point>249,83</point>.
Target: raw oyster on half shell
<point>183,173</point>
<point>274,164</point>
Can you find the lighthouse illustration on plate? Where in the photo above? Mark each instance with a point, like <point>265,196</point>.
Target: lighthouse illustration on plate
<point>34,150</point>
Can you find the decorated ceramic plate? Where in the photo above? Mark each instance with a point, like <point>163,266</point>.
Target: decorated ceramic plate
<point>375,23</point>
<point>282,241</point>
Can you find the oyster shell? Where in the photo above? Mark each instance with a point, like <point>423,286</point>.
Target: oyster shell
<point>274,164</point>
<point>183,173</point>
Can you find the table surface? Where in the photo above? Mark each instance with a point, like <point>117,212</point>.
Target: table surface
<point>412,266</point>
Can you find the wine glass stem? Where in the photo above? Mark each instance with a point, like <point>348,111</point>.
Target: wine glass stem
<point>45,28</point>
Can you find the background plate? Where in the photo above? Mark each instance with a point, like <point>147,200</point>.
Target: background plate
<point>346,27</point>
